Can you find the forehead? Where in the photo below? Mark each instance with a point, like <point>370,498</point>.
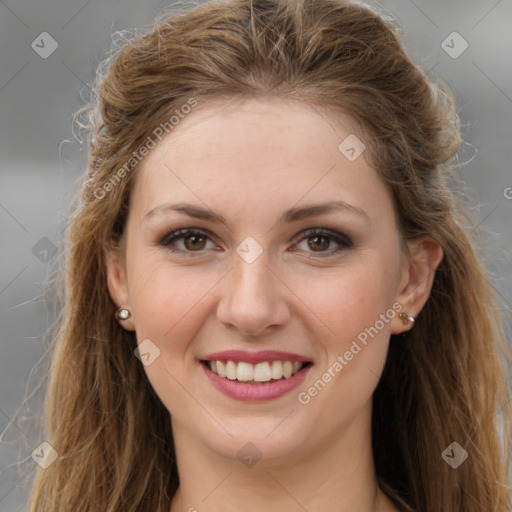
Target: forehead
<point>260,154</point>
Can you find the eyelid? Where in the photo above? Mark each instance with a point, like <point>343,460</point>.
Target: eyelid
<point>340,238</point>
<point>343,241</point>
<point>176,234</point>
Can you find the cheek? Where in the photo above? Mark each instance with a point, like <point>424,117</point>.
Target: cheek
<point>354,310</point>
<point>171,304</point>
<point>169,310</point>
<point>352,350</point>
<point>165,296</point>
<point>350,300</point>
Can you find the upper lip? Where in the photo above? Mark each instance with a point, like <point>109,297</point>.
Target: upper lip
<point>254,357</point>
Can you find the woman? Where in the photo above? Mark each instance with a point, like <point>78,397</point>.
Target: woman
<point>271,302</point>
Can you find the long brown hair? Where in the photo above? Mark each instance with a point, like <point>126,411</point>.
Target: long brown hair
<point>444,382</point>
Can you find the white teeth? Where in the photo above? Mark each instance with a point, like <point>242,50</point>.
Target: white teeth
<point>277,370</point>
<point>221,369</point>
<point>260,372</point>
<point>231,370</point>
<point>287,369</point>
<point>244,372</point>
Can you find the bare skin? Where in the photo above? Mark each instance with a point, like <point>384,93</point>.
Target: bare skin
<point>309,295</point>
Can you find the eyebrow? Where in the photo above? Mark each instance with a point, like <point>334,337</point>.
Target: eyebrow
<point>291,215</point>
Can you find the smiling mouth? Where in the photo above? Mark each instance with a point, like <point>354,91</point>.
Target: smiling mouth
<point>265,372</point>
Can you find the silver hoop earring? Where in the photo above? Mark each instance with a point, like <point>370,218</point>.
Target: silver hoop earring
<point>406,318</point>
<point>122,313</point>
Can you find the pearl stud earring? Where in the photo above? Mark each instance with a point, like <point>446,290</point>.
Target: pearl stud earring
<point>122,313</point>
<point>406,318</point>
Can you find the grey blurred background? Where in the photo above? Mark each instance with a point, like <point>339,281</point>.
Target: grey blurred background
<point>49,52</point>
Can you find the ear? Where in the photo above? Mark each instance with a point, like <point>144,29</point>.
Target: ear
<point>117,284</point>
<point>421,262</point>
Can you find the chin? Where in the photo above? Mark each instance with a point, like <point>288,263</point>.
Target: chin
<point>266,439</point>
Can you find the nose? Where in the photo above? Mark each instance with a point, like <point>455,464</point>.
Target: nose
<point>253,298</point>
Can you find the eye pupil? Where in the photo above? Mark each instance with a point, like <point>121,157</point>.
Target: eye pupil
<point>315,239</point>
<point>194,239</point>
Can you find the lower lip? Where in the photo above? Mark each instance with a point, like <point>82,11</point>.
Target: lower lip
<point>255,392</point>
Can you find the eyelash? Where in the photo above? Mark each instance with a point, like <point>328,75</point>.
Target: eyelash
<point>342,240</point>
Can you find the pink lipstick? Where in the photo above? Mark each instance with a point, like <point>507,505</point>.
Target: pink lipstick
<point>255,376</point>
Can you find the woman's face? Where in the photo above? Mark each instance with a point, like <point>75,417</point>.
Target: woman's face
<point>294,261</point>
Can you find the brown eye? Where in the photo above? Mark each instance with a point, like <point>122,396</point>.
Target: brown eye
<point>320,239</point>
<point>194,240</point>
<point>318,243</point>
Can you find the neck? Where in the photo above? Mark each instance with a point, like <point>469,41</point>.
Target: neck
<point>337,475</point>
